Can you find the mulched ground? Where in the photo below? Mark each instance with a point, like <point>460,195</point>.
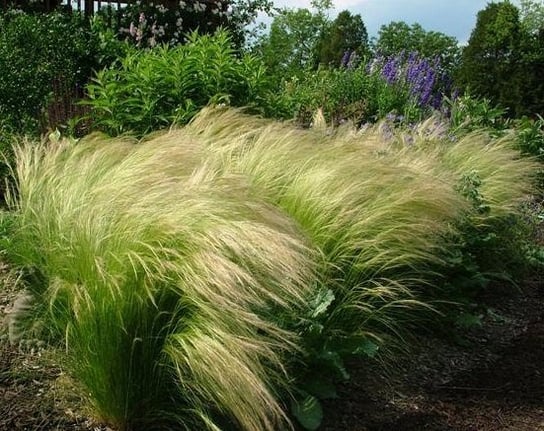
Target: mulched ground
<point>493,381</point>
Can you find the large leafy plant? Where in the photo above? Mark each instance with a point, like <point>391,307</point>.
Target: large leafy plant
<point>35,50</point>
<point>149,90</point>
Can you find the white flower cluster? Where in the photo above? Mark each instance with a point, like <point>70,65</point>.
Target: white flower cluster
<point>159,16</point>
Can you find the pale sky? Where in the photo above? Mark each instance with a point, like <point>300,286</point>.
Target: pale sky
<point>452,17</point>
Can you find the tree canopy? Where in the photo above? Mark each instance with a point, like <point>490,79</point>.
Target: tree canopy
<point>398,36</point>
<point>347,33</point>
<point>504,58</point>
<point>293,39</point>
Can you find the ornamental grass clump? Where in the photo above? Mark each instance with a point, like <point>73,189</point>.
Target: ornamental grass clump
<point>495,181</point>
<point>158,274</point>
<point>378,225</point>
<point>190,274</point>
<point>389,213</point>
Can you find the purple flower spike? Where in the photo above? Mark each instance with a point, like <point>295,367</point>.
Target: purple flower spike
<point>345,59</point>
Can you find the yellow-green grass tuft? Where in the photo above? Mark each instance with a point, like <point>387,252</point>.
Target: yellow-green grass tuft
<point>372,219</point>
<point>146,272</point>
<point>178,270</point>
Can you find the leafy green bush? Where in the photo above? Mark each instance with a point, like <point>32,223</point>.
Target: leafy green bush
<point>152,89</point>
<point>467,113</point>
<point>35,50</point>
<point>147,24</point>
<point>341,94</point>
<point>530,133</point>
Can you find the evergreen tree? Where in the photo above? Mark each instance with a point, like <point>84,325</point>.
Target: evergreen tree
<point>491,60</point>
<point>347,33</point>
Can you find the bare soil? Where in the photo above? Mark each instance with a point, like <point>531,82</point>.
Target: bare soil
<point>491,381</point>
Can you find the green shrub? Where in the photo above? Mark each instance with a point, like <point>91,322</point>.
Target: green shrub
<point>152,89</point>
<point>147,24</point>
<point>343,95</point>
<point>356,95</point>
<point>35,50</point>
<point>530,134</point>
<point>467,113</point>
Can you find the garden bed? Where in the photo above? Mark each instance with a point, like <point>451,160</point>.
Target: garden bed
<point>491,379</point>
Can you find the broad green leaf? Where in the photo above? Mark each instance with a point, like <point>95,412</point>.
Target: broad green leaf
<point>322,302</point>
<point>320,387</point>
<point>308,412</point>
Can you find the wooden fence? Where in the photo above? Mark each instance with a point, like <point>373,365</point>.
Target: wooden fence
<point>64,106</point>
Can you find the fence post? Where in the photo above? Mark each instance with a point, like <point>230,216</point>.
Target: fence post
<point>89,8</point>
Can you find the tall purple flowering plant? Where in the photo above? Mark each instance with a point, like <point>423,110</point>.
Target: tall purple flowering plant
<point>424,78</point>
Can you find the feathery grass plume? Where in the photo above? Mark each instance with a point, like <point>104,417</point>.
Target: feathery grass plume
<point>160,273</point>
<point>378,224</point>
<point>492,177</point>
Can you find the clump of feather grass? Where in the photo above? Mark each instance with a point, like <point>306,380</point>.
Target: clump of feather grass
<point>507,177</point>
<point>492,176</point>
<point>158,272</point>
<point>378,224</point>
<point>175,268</point>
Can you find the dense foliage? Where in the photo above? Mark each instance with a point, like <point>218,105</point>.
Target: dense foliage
<point>147,24</point>
<point>292,43</point>
<point>149,90</point>
<point>35,50</point>
<point>346,34</point>
<point>503,60</point>
<point>397,37</point>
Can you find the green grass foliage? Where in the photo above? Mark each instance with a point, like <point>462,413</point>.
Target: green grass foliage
<point>154,271</point>
<point>190,274</point>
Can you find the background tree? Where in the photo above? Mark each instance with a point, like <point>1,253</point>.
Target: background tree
<point>347,33</point>
<point>291,45</point>
<point>504,58</point>
<point>532,16</point>
<point>489,59</point>
<point>398,36</point>
<point>531,64</point>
